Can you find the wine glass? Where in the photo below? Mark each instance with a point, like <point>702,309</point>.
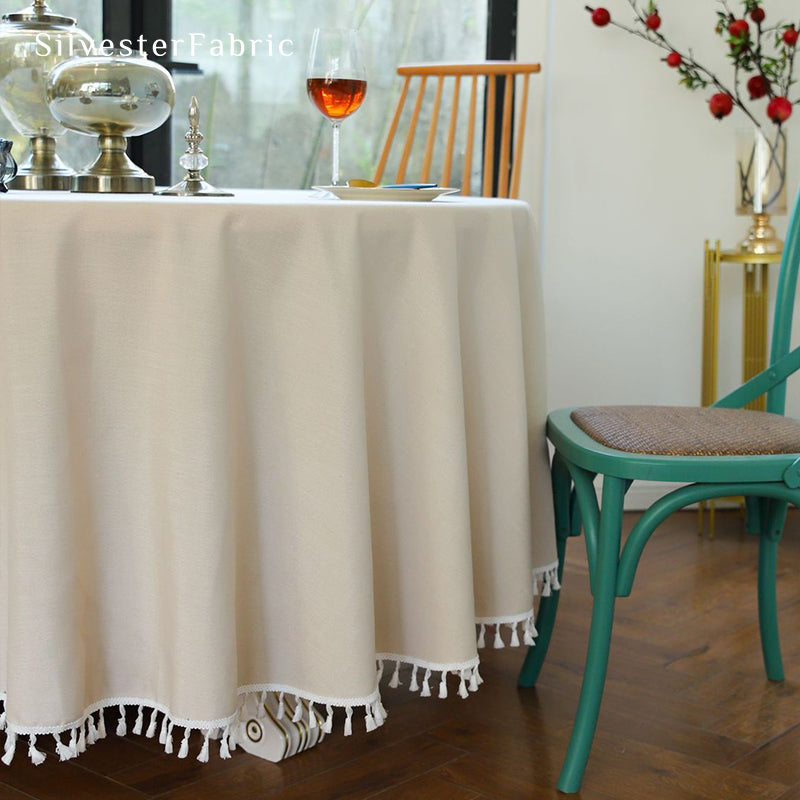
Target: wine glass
<point>336,80</point>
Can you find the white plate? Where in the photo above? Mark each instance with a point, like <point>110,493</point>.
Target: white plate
<point>379,193</point>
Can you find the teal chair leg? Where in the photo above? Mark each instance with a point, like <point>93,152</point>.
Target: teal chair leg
<point>752,514</point>
<point>594,675</point>
<point>548,606</point>
<point>767,595</point>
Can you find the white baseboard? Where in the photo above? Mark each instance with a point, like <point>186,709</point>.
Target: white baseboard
<point>644,493</point>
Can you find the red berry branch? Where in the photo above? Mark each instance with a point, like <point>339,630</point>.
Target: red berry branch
<point>765,54</point>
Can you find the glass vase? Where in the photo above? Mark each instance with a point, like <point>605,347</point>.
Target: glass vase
<point>761,185</point>
<point>32,42</point>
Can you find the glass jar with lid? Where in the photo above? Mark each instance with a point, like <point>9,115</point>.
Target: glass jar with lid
<point>32,42</point>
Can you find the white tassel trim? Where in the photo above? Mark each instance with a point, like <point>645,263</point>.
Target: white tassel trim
<point>72,740</point>
<point>379,712</point>
<point>312,717</point>
<point>548,577</point>
<point>523,624</point>
<point>224,744</point>
<point>36,756</point>
<point>232,739</point>
<point>203,757</point>
<point>91,736</point>
<point>370,720</point>
<point>87,731</point>
<point>168,744</point>
<point>10,748</point>
<point>63,752</point>
<point>151,728</point>
<point>184,748</point>
<point>529,632</point>
<point>426,687</point>
<point>498,639</point>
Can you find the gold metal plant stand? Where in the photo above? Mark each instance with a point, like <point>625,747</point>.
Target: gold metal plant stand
<point>755,323</point>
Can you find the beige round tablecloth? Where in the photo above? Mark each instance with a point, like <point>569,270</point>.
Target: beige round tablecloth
<point>259,444</point>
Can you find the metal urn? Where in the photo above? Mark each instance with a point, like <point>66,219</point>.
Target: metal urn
<point>32,42</point>
<point>113,95</point>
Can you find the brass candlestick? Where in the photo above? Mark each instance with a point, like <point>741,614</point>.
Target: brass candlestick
<point>194,161</point>
<point>761,238</point>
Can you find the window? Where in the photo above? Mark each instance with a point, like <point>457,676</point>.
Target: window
<point>260,128</point>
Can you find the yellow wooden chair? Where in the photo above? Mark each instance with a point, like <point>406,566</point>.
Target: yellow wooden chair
<point>453,74</point>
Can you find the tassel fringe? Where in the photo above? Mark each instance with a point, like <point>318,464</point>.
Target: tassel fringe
<point>36,756</point>
<point>203,757</point>
<point>63,752</point>
<point>184,748</point>
<point>224,746</point>
<point>151,728</point>
<point>72,741</point>
<point>10,748</point>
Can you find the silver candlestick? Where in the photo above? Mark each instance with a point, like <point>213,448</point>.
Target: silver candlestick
<point>194,161</point>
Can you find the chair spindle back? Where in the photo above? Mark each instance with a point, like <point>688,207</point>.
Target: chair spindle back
<point>508,173</point>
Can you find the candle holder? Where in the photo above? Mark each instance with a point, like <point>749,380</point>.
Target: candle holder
<point>194,161</point>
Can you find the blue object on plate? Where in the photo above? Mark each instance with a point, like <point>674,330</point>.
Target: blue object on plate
<point>411,186</point>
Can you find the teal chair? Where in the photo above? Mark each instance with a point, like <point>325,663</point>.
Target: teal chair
<point>721,451</point>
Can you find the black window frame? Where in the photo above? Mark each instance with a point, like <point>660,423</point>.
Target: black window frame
<point>501,45</point>
<point>152,20</point>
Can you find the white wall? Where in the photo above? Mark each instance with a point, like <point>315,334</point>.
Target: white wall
<point>628,173</point>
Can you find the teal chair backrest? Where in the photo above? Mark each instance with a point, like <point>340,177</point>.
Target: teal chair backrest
<point>784,305</point>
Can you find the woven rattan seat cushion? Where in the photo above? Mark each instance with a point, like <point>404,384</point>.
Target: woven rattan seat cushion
<point>679,431</point>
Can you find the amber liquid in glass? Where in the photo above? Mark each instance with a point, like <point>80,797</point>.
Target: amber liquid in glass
<point>336,98</point>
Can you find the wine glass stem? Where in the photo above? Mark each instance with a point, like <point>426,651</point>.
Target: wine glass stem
<point>335,175</point>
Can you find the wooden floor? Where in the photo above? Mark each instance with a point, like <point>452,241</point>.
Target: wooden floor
<point>687,713</point>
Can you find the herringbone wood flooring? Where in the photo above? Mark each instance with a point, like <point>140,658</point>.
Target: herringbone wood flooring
<point>687,713</point>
